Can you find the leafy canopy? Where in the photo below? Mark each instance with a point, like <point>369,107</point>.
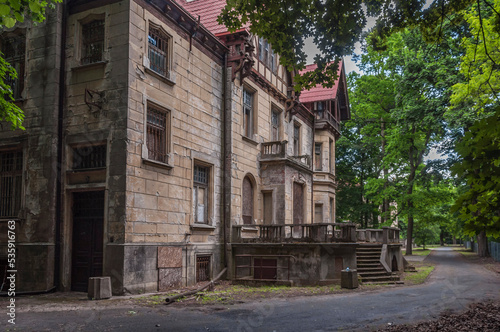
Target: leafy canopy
<point>334,25</point>
<point>11,12</point>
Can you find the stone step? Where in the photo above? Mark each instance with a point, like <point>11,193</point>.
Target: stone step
<point>370,269</point>
<point>367,255</point>
<point>386,278</point>
<point>369,274</point>
<point>368,265</point>
<point>368,261</point>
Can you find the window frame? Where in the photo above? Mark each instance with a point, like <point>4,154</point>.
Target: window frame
<point>168,76</point>
<point>168,135</point>
<point>275,127</point>
<point>318,156</point>
<point>74,153</point>
<point>248,113</point>
<point>79,48</point>
<point>17,183</point>
<point>17,61</point>
<point>207,186</point>
<point>83,47</point>
<point>296,139</point>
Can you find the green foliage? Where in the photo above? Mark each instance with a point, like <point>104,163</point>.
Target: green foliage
<point>9,111</point>
<point>479,206</point>
<point>334,25</point>
<point>12,11</point>
<point>480,64</point>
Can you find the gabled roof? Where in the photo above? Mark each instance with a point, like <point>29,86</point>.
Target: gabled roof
<point>319,93</point>
<point>208,10</point>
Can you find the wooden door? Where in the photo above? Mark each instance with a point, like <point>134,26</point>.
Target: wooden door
<point>298,203</point>
<point>87,255</point>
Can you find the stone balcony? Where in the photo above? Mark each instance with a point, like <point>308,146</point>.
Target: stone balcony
<point>292,233</point>
<point>325,119</point>
<point>277,151</point>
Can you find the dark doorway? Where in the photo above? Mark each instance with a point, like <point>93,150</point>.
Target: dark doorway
<point>265,268</point>
<point>88,218</point>
<point>394,264</point>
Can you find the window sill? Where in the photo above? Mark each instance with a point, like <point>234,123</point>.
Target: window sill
<point>162,78</point>
<point>249,140</point>
<point>204,227</point>
<point>157,163</point>
<point>90,65</point>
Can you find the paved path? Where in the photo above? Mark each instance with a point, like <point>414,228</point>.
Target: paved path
<point>453,285</point>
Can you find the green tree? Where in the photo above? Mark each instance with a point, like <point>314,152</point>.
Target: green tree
<point>334,25</point>
<point>478,206</point>
<point>11,12</point>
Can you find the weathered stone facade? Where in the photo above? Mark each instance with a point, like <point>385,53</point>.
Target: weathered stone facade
<point>148,137</point>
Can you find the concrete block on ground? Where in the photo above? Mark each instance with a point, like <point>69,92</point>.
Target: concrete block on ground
<point>99,288</point>
<point>349,279</point>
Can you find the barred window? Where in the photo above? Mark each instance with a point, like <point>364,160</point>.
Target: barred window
<point>200,193</point>
<point>11,173</point>
<point>13,47</point>
<point>92,41</point>
<point>158,44</point>
<point>88,157</point>
<point>157,134</point>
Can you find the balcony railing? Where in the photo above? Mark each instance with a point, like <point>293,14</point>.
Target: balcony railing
<point>386,235</point>
<point>327,116</point>
<point>277,149</point>
<point>324,232</point>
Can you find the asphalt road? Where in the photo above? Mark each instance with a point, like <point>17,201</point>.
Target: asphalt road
<point>454,284</point>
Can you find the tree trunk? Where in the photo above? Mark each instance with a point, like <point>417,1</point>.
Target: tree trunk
<point>482,245</point>
<point>441,238</point>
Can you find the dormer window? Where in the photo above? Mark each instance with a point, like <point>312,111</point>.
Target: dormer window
<point>267,55</point>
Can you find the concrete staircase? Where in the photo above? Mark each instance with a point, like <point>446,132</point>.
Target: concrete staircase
<point>369,268</point>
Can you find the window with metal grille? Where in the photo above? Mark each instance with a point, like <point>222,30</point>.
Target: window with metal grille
<point>317,156</point>
<point>13,47</point>
<point>11,175</point>
<point>158,45</point>
<point>275,125</point>
<point>200,193</point>
<point>247,113</point>
<point>157,134</point>
<point>89,157</point>
<point>202,268</point>
<point>92,41</point>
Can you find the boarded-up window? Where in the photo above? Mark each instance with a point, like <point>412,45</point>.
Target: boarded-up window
<point>158,51</point>
<point>247,206</point>
<point>200,193</point>
<point>88,157</point>
<point>11,174</point>
<point>298,203</point>
<point>318,213</point>
<point>202,268</point>
<point>268,208</point>
<point>332,210</point>
<point>247,113</point>
<point>318,162</point>
<point>92,41</point>
<point>157,134</point>
<point>13,47</point>
<point>330,160</point>
<point>265,268</point>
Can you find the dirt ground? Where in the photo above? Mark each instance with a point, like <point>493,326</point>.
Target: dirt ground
<point>480,317</point>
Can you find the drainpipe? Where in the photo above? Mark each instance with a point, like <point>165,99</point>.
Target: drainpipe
<point>226,166</point>
<point>62,75</point>
<point>312,166</point>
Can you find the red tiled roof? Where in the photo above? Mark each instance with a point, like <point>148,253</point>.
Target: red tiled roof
<point>319,93</point>
<point>208,10</point>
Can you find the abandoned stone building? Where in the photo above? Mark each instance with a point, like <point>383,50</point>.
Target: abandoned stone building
<point>160,148</point>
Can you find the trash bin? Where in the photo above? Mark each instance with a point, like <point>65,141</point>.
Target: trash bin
<point>349,279</point>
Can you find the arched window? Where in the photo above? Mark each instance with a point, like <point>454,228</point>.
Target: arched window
<point>247,201</point>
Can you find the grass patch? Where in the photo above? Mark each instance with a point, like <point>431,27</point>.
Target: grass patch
<point>416,278</point>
